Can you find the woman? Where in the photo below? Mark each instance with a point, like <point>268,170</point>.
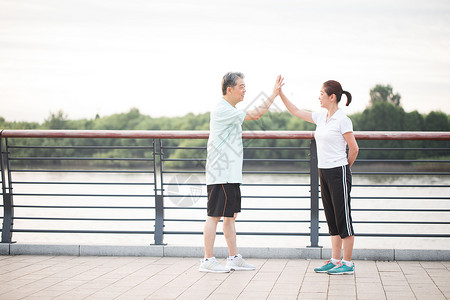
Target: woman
<point>334,130</point>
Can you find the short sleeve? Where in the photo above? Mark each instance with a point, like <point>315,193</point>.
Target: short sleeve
<point>346,125</point>
<point>230,116</point>
<point>315,117</point>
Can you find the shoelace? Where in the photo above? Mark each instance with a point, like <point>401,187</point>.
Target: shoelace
<point>237,261</point>
<point>347,265</point>
<point>211,262</point>
<point>338,264</point>
<point>214,262</point>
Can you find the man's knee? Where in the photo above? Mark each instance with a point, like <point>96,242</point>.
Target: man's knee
<point>213,219</point>
<point>229,219</point>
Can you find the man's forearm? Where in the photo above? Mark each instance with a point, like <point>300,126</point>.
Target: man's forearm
<point>264,107</point>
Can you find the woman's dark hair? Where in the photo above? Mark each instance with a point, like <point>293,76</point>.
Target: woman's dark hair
<point>333,87</point>
<point>230,80</point>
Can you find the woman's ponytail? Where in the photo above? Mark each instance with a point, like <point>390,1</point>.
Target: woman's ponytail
<point>333,87</point>
<point>349,97</point>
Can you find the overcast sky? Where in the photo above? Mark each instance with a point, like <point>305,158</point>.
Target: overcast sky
<point>167,58</point>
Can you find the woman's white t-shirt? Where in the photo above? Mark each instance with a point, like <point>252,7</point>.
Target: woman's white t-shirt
<point>331,145</point>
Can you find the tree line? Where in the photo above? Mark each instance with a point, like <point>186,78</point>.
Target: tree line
<point>384,113</point>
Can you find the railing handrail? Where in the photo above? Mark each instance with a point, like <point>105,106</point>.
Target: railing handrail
<point>157,155</point>
<point>203,134</point>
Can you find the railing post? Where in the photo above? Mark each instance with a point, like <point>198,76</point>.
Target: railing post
<point>8,204</point>
<point>314,185</point>
<point>159,192</point>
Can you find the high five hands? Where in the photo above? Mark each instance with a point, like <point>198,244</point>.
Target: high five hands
<point>278,84</point>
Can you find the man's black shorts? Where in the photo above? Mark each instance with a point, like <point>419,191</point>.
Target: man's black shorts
<point>224,200</point>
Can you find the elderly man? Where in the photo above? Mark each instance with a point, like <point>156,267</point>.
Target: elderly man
<point>224,169</point>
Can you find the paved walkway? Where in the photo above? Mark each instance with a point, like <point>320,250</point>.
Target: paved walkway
<point>93,277</point>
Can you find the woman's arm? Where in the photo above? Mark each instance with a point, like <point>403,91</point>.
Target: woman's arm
<point>302,114</point>
<point>259,111</point>
<point>353,148</point>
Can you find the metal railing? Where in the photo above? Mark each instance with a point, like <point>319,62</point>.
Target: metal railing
<point>102,184</point>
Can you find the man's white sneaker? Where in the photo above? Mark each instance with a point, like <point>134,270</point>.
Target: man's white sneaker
<point>212,265</point>
<point>237,263</point>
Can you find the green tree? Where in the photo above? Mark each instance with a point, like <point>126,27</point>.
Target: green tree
<point>56,121</point>
<point>436,121</point>
<point>384,93</point>
<point>414,121</point>
<point>382,116</point>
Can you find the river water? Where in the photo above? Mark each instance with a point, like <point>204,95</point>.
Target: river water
<point>177,202</point>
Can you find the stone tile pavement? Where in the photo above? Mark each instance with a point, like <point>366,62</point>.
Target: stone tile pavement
<point>114,277</point>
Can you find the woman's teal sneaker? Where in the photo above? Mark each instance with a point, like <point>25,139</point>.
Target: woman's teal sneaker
<point>342,269</point>
<point>326,267</point>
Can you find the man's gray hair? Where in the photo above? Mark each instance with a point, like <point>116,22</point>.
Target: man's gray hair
<point>230,80</point>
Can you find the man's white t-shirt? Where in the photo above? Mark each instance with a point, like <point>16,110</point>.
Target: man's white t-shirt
<point>331,145</point>
<point>225,151</point>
